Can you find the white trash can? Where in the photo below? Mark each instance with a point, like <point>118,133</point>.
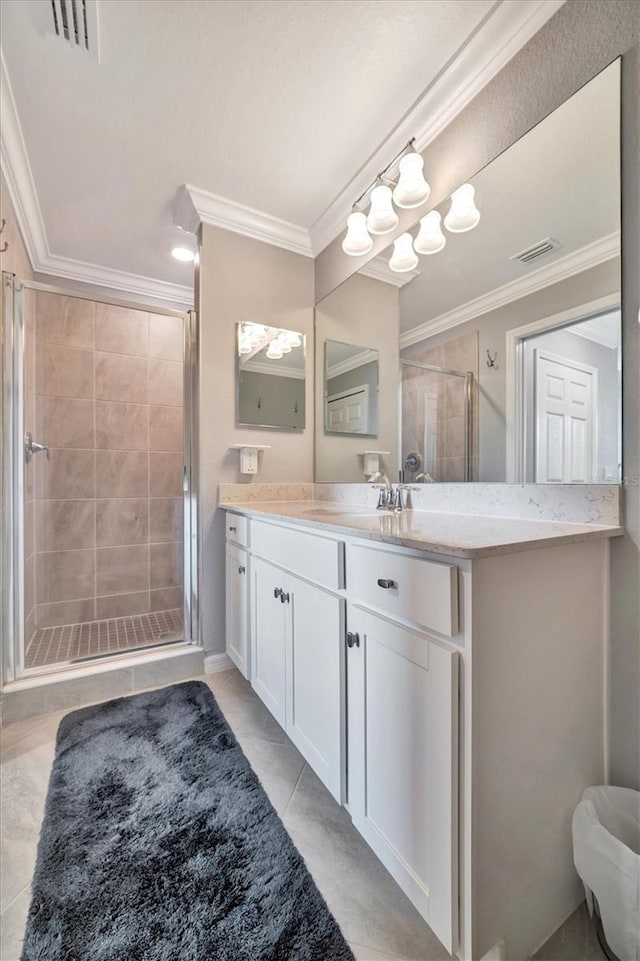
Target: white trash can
<point>606,852</point>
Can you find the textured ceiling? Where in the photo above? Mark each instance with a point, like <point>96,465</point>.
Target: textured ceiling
<point>273,104</point>
<point>561,180</point>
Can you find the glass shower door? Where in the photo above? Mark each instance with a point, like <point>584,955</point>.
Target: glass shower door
<point>102,469</point>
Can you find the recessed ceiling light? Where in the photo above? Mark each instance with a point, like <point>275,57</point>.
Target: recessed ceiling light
<point>183,254</point>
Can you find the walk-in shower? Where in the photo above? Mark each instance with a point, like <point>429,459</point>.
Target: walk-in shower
<point>436,429</point>
<point>98,496</point>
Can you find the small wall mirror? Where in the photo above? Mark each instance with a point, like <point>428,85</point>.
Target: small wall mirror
<point>350,389</point>
<point>270,377</point>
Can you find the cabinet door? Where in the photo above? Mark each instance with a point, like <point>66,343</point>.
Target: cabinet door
<point>315,680</point>
<point>269,617</point>
<point>402,750</point>
<point>237,609</point>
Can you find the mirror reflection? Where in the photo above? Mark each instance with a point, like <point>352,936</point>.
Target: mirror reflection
<point>350,389</point>
<point>508,321</point>
<point>270,377</point>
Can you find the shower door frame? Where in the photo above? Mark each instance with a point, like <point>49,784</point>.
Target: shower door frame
<point>12,639</point>
<point>467,376</point>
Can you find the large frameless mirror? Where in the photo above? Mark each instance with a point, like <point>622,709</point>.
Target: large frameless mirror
<point>498,323</point>
<point>270,377</point>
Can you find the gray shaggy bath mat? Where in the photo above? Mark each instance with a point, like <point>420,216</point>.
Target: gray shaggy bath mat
<point>159,844</point>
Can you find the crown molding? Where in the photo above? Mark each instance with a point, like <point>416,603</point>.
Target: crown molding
<point>507,28</point>
<point>196,206</point>
<point>16,169</point>
<point>258,367</point>
<point>365,356</point>
<point>379,269</point>
<point>586,257</point>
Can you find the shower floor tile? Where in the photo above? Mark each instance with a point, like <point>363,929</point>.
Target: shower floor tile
<point>74,642</point>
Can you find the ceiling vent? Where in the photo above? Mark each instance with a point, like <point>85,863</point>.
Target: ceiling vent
<point>540,249</point>
<point>76,21</point>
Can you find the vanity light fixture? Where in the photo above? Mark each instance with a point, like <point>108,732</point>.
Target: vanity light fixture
<point>412,189</point>
<point>357,241</point>
<point>430,239</point>
<point>404,257</point>
<point>463,214</point>
<point>382,217</point>
<point>292,338</point>
<point>274,350</point>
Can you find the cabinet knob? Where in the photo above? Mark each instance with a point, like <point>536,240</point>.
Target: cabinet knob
<point>386,584</point>
<point>284,598</point>
<point>353,640</point>
<point>277,592</point>
<point>232,530</point>
<point>242,569</point>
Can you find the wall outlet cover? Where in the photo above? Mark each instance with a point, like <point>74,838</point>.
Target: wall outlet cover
<point>249,460</point>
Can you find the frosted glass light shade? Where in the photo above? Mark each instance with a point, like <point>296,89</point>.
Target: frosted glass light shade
<point>244,341</point>
<point>274,350</point>
<point>430,239</point>
<point>463,214</point>
<point>357,240</point>
<point>382,217</point>
<point>403,257</point>
<point>412,189</point>
<point>291,338</point>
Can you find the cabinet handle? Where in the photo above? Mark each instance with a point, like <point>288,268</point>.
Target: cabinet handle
<point>353,640</point>
<point>242,569</point>
<point>284,598</point>
<point>277,592</point>
<point>384,583</point>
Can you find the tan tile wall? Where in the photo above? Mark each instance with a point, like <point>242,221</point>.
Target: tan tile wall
<point>446,397</point>
<point>108,505</point>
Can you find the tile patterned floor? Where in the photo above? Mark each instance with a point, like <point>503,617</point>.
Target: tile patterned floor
<point>376,918</point>
<point>73,642</point>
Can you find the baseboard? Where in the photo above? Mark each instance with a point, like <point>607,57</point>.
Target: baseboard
<point>214,663</point>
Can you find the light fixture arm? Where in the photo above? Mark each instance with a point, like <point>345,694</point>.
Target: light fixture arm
<point>380,179</point>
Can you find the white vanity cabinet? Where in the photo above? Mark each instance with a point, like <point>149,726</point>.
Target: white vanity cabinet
<point>403,760</point>
<point>454,704</point>
<point>297,631</point>
<point>237,607</point>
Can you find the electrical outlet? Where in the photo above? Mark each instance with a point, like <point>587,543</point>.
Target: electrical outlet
<point>249,460</point>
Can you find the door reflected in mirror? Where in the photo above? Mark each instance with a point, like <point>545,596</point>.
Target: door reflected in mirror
<point>350,389</point>
<point>270,389</point>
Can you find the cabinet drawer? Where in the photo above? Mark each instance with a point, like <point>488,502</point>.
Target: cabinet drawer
<point>237,529</point>
<point>425,592</point>
<point>316,558</point>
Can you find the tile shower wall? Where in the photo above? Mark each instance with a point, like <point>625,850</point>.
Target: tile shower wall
<point>108,505</point>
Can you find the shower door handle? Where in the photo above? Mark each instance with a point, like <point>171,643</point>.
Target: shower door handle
<point>32,447</point>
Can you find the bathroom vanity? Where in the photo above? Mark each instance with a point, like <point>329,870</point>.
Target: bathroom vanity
<point>443,676</point>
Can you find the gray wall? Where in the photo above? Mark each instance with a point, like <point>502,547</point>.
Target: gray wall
<point>242,280</point>
<point>573,46</point>
<point>269,400</point>
<point>364,312</point>
<point>605,360</point>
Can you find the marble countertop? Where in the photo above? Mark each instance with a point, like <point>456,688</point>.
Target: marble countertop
<point>457,535</point>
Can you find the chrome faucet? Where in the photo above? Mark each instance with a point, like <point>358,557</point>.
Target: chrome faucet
<point>389,499</point>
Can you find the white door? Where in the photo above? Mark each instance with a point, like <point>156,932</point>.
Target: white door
<point>403,758</point>
<point>565,420</point>
<point>269,616</point>
<point>237,609</point>
<point>315,683</point>
<point>348,412</point>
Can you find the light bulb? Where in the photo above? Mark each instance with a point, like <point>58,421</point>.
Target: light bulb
<point>403,257</point>
<point>463,214</point>
<point>430,238</point>
<point>244,341</point>
<point>183,254</point>
<point>274,350</point>
<point>283,343</point>
<point>357,240</point>
<point>412,189</point>
<point>382,217</point>
<point>291,338</point>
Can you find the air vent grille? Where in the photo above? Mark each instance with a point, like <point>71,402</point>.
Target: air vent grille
<point>76,22</point>
<point>536,250</point>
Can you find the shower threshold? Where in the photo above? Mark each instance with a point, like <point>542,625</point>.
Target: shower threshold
<point>69,643</point>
